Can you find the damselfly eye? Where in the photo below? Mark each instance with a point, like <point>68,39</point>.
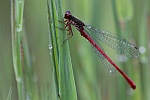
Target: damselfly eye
<point>67,14</point>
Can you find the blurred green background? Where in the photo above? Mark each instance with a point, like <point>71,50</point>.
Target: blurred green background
<point>127,18</point>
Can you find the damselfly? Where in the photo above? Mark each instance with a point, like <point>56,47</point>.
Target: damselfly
<point>119,44</point>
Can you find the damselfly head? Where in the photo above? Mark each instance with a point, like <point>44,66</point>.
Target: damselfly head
<point>67,15</point>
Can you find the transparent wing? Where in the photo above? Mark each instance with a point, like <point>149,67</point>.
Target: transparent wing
<point>120,45</point>
<point>106,63</point>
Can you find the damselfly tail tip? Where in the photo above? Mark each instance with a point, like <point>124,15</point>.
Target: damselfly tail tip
<point>133,86</point>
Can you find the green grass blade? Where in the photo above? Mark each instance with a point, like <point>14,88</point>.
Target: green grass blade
<point>66,79</point>
<point>53,45</point>
<point>16,31</point>
<point>63,73</point>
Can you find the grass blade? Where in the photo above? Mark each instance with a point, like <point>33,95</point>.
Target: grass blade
<point>63,73</point>
<point>16,31</point>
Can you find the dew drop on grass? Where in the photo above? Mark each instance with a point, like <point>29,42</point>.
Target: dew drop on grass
<point>50,48</point>
<point>19,79</point>
<point>18,28</point>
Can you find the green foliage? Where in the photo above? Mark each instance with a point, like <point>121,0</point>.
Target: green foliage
<point>28,28</point>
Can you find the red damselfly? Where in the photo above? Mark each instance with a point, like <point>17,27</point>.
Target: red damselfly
<point>119,44</point>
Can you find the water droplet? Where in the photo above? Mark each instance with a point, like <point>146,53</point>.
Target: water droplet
<point>18,28</point>
<point>142,49</point>
<point>19,79</point>
<point>50,46</point>
<point>50,53</point>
